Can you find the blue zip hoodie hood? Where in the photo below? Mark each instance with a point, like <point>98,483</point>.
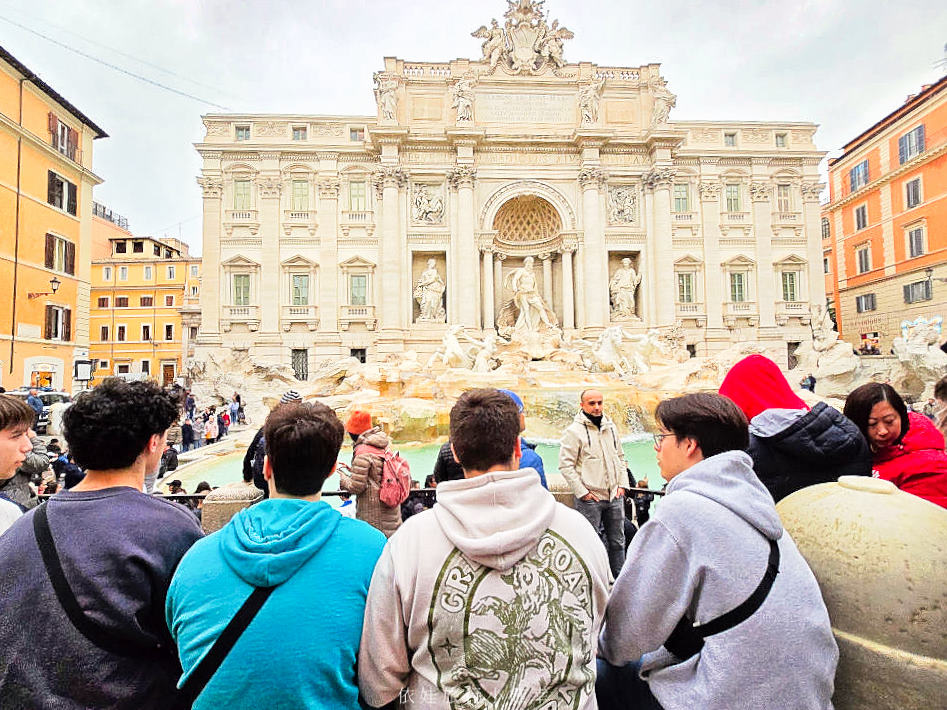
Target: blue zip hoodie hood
<point>267,543</point>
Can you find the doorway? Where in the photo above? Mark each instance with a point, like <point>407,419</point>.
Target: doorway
<point>301,364</point>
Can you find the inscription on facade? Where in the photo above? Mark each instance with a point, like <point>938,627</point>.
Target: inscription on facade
<point>525,108</point>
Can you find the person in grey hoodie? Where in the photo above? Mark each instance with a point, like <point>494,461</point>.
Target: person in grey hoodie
<point>494,597</point>
<point>708,547</point>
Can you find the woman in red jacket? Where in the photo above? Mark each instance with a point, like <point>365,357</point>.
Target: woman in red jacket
<point>907,449</point>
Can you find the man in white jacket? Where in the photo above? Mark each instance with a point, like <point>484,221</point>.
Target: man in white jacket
<point>592,461</point>
<point>493,598</point>
<point>714,558</point>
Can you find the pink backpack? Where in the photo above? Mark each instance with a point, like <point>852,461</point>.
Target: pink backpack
<point>395,475</point>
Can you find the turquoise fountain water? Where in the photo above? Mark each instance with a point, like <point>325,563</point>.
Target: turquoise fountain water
<point>639,453</point>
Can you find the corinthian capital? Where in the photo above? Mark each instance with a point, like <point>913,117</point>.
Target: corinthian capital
<point>592,177</point>
<point>760,191</point>
<point>660,178</point>
<point>268,187</point>
<point>812,191</point>
<point>329,188</point>
<point>462,176</point>
<point>390,176</point>
<point>709,190</point>
<point>211,187</point>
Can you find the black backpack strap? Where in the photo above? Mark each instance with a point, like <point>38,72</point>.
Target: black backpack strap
<point>201,675</point>
<point>96,634</point>
<point>686,639</point>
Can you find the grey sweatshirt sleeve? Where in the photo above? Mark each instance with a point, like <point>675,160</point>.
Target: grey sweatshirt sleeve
<point>383,663</point>
<point>650,596</point>
<point>37,460</point>
<point>569,447</point>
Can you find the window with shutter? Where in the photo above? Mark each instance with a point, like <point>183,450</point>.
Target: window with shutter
<point>49,327</point>
<point>53,129</point>
<point>54,189</point>
<point>70,258</point>
<point>73,142</point>
<point>50,250</point>
<point>66,324</point>
<point>71,202</point>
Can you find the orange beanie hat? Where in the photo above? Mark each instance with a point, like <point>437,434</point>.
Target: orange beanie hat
<point>359,422</point>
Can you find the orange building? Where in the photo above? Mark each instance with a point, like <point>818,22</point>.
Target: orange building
<point>144,294</point>
<point>46,183</point>
<point>884,230</point>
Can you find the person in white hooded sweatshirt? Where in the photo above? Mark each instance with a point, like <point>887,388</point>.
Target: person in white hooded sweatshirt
<point>713,546</point>
<point>494,598</point>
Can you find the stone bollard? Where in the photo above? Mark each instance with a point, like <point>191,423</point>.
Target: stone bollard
<point>880,557</point>
<point>221,504</point>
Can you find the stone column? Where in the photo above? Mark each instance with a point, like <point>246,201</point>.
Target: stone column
<point>463,177</point>
<point>580,288</point>
<point>568,292</point>
<point>270,286</point>
<point>498,259</point>
<point>212,189</point>
<point>813,233</point>
<point>594,256</point>
<point>760,194</point>
<point>660,181</point>
<point>547,278</point>
<point>489,313</point>
<point>713,279</point>
<point>389,297</point>
<point>328,297</point>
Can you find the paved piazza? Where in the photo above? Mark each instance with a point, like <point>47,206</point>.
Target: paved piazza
<point>517,189</point>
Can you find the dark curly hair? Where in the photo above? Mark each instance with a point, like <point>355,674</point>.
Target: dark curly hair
<point>108,426</point>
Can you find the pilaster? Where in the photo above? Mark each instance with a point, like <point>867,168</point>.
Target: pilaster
<point>591,179</point>
<point>462,178</point>
<point>713,279</point>
<point>812,214</point>
<point>761,195</point>
<point>328,254</point>
<point>212,189</point>
<point>659,181</point>
<point>268,197</point>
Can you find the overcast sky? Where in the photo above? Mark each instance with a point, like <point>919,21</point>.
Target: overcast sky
<point>842,64</point>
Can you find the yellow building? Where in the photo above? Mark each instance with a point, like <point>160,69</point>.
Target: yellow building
<point>46,182</point>
<point>140,287</point>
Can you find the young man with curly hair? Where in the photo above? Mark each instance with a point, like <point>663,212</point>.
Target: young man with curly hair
<point>97,560</point>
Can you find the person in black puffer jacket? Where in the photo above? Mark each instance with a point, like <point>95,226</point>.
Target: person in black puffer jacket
<point>792,446</point>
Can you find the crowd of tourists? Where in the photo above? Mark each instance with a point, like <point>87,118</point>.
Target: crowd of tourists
<point>497,596</point>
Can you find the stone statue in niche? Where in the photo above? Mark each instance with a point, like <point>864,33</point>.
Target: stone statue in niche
<point>622,287</point>
<point>386,95</point>
<point>429,293</point>
<point>462,98</point>
<point>428,205</point>
<point>526,312</point>
<point>664,101</point>
<point>589,97</point>
<point>622,204</point>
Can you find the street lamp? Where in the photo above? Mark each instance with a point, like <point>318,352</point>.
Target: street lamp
<point>54,284</point>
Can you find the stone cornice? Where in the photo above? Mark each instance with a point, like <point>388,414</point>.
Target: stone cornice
<point>59,159</point>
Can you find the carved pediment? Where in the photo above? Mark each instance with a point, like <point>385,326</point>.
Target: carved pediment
<point>357,262</point>
<point>739,261</point>
<point>298,260</point>
<point>239,261</point>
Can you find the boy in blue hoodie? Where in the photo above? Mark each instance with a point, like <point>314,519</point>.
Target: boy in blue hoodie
<point>318,562</point>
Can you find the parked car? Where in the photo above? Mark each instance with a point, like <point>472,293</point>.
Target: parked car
<point>49,397</point>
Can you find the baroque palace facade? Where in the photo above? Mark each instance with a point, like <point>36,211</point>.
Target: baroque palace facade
<point>367,235</point>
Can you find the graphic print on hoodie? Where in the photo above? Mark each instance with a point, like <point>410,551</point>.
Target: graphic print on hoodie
<point>527,631</point>
<point>492,600</point>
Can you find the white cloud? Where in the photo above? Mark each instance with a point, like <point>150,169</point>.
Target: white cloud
<point>839,63</point>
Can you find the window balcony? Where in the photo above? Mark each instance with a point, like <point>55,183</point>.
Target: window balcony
<point>242,218</point>
<point>250,315</point>
<point>735,218</point>
<point>693,312</point>
<point>684,217</point>
<point>299,314</point>
<point>357,218</point>
<point>358,314</point>
<point>787,219</point>
<point>299,218</point>
<point>733,310</point>
<point>792,309</point>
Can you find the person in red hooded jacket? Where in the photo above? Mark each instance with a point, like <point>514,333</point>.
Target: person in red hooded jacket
<point>907,448</point>
<point>791,445</point>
